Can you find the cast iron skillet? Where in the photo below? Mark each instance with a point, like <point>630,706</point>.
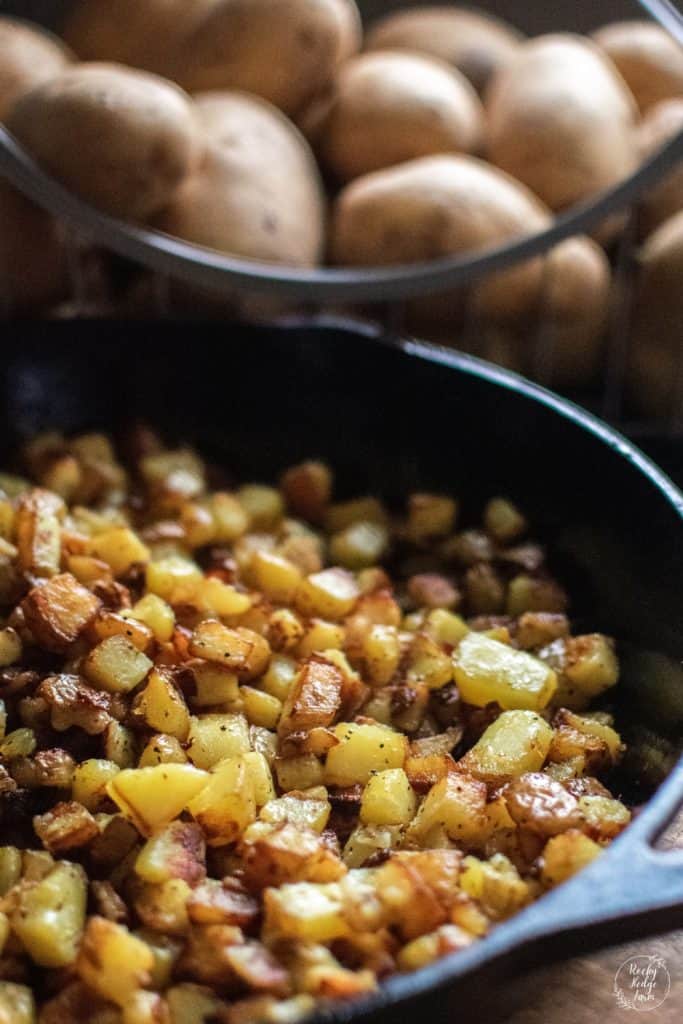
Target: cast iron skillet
<point>392,417</point>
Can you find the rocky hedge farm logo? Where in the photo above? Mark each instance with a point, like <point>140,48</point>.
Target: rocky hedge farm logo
<point>642,983</point>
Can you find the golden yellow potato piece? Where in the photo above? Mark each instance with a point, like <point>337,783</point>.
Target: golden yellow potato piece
<point>388,799</point>
<point>362,750</point>
<point>517,742</point>
<point>50,914</point>
<point>152,797</point>
<point>487,671</point>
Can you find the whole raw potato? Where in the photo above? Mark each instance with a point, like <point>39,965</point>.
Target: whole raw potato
<point>389,107</point>
<point>475,43</point>
<point>124,140</point>
<point>649,59</point>
<point>32,256</point>
<point>258,192</point>
<point>661,123</point>
<point>562,120</point>
<point>656,342</point>
<point>141,33</point>
<point>441,206</point>
<point>285,51</point>
<point>28,57</point>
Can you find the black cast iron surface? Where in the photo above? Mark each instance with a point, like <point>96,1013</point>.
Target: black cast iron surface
<point>393,417</point>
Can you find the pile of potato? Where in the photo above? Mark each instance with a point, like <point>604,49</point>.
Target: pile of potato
<point>261,749</point>
<point>279,132</point>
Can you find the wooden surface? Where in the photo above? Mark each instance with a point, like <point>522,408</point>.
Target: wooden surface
<point>581,991</point>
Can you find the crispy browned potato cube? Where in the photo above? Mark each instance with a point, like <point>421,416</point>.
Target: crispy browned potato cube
<point>307,489</point>
<point>67,826</point>
<point>58,611</point>
<point>48,915</point>
<point>314,697</point>
<point>240,650</point>
<point>37,526</point>
<point>162,706</point>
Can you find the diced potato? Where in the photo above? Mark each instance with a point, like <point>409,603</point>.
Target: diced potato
<point>301,772</point>
<point>113,962</point>
<point>445,627</point>
<point>177,851</point>
<point>605,817</point>
<point>214,685</point>
<point>120,548</point>
<point>275,576</point>
<point>329,594</point>
<point>487,671</point>
<point>279,676</point>
<point>116,665</point>
<point>261,776</point>
<point>529,594</point>
<point>58,611</point>
<point>381,651</point>
<point>430,515</point>
<point>320,636</point>
<point>65,827</point>
<point>162,707</point>
<point>346,513</point>
<point>165,951</point>
<point>229,517</point>
<point>360,545</point>
<point>119,744</point>
<point>591,665</point>
<point>261,708</point>
<point>263,505</point>
<point>306,911</point>
<point>49,915</point>
<point>449,938</point>
<point>37,528</point>
<point>314,697</point>
<point>540,804</point>
<point>212,597</point>
<point>114,624</point>
<point>240,650</point>
<point>157,614</point>
<point>192,1004</point>
<point>163,906</point>
<point>428,664</point>
<point>19,743</point>
<point>214,737</point>
<point>456,803</point>
<point>305,809</point>
<point>152,797</point>
<point>10,868</point>
<point>307,489</point>
<point>362,750</point>
<point>227,804</point>
<point>179,473</point>
<point>366,840</point>
<point>565,855</point>
<point>90,779</point>
<point>10,647</point>
<point>388,799</point>
<point>162,749</point>
<point>496,884</point>
<point>285,629</point>
<point>517,742</point>
<point>17,1005</point>
<point>536,629</point>
<point>503,520</point>
<point>165,576</point>
<point>88,570</point>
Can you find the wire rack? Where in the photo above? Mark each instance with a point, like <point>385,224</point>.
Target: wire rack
<point>380,294</point>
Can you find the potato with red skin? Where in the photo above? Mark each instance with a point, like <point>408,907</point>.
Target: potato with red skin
<point>542,805</point>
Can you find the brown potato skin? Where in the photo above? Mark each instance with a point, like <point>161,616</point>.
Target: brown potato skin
<point>440,206</point>
<point>123,140</point>
<point>656,346</point>
<point>648,58</point>
<point>257,193</point>
<point>471,41</point>
<point>285,51</point>
<point>389,107</point>
<point>29,58</point>
<point>661,123</point>
<point>32,253</point>
<point>562,120</point>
